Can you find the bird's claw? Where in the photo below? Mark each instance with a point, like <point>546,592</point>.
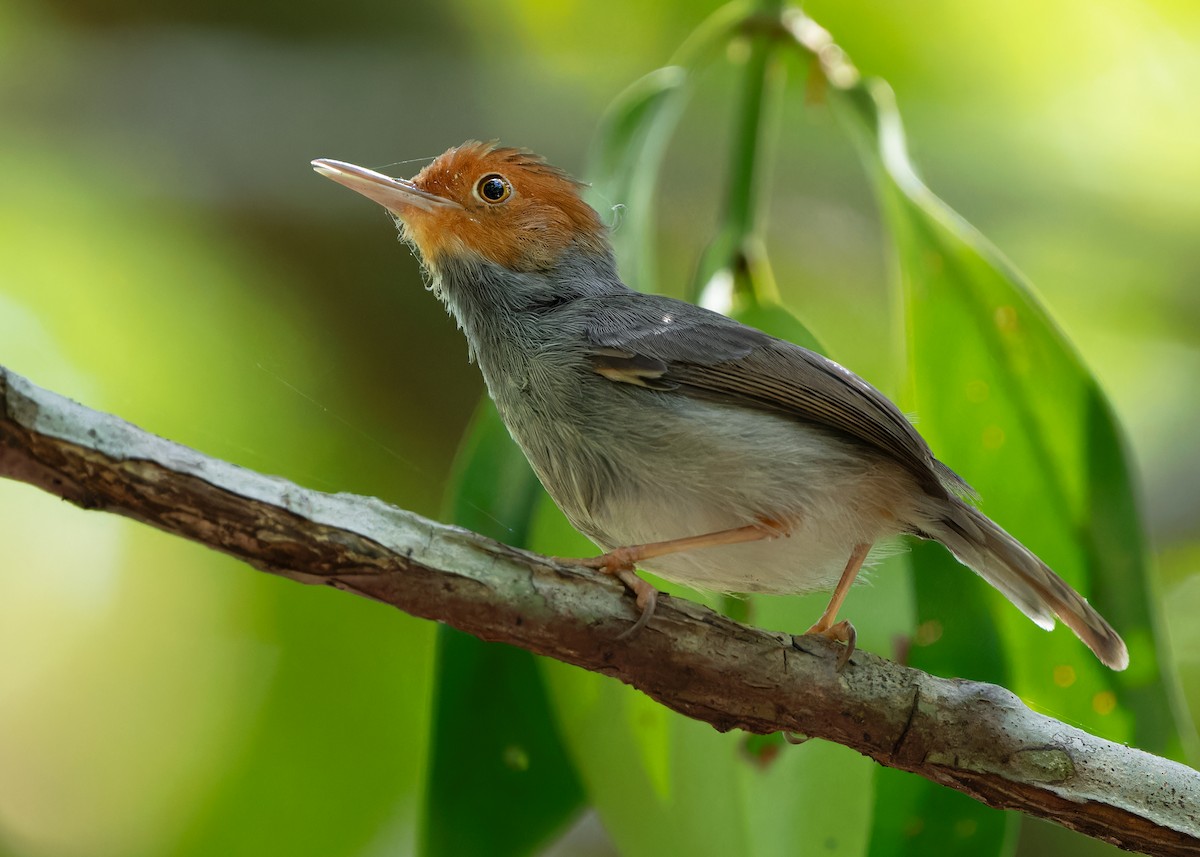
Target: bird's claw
<point>842,632</point>
<point>647,599</point>
<point>619,564</point>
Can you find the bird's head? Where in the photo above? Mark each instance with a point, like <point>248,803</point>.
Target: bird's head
<point>483,201</point>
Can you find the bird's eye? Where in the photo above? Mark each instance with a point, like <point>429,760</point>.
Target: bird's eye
<point>493,189</point>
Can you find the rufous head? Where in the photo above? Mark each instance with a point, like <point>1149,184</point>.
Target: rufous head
<point>505,205</point>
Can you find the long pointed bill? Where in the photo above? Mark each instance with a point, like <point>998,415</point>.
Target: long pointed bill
<point>395,195</point>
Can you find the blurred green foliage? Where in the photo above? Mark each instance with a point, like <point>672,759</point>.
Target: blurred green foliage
<point>166,254</point>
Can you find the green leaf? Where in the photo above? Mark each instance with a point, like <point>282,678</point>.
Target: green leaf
<point>757,305</point>
<point>494,744</point>
<point>916,817</point>
<point>1180,588</point>
<point>328,733</point>
<point>626,155</point>
<point>1005,400</point>
<point>1000,393</point>
<point>492,488</point>
<point>912,815</point>
<point>500,782</point>
<point>631,140</point>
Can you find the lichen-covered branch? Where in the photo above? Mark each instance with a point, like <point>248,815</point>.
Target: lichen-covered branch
<point>977,738</point>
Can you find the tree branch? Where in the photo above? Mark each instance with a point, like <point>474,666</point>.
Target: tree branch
<point>977,738</point>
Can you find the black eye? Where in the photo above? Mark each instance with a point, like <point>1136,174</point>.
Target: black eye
<point>493,188</point>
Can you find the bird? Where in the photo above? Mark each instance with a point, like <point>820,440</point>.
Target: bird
<point>679,440</point>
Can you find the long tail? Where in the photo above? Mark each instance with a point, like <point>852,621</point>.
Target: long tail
<point>1025,580</point>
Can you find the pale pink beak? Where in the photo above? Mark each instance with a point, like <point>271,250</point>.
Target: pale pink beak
<point>395,195</point>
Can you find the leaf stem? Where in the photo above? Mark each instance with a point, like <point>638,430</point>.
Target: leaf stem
<point>738,233</point>
<point>742,207</point>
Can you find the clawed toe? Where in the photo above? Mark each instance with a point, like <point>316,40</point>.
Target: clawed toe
<point>619,564</point>
<point>647,599</point>
<point>841,632</point>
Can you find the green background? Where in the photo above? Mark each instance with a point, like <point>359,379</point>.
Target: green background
<point>167,254</point>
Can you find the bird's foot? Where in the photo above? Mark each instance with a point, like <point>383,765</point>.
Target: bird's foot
<point>619,563</point>
<point>647,600</point>
<point>842,632</point>
<point>613,562</point>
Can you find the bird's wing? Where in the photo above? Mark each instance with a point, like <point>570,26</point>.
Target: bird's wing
<point>666,345</point>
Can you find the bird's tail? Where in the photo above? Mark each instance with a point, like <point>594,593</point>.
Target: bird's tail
<point>1025,580</point>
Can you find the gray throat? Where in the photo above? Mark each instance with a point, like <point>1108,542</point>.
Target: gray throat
<point>510,316</point>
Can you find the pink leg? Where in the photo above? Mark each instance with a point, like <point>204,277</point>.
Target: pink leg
<point>621,561</point>
<point>842,631</point>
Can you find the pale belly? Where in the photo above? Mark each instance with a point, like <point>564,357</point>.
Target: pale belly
<point>725,467</point>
